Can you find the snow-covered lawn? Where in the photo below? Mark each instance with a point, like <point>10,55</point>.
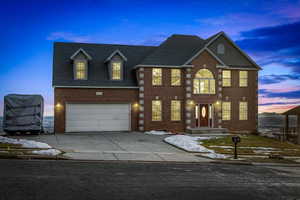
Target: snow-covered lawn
<point>31,144</point>
<point>157,133</point>
<point>193,144</point>
<point>25,143</point>
<point>48,152</point>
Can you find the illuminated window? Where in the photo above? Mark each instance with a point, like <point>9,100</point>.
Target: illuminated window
<point>175,77</point>
<point>156,76</point>
<point>204,82</point>
<point>243,78</point>
<point>221,49</point>
<point>226,74</point>
<point>80,70</point>
<point>226,110</point>
<point>156,110</point>
<point>116,70</point>
<point>175,110</point>
<point>243,111</point>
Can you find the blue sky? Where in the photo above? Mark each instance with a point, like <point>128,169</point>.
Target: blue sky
<point>269,31</point>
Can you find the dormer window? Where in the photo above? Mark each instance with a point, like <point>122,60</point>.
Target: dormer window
<point>115,63</point>
<point>221,49</point>
<point>80,64</point>
<point>116,70</point>
<point>81,71</point>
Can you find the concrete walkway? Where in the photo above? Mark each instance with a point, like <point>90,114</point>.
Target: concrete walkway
<point>126,146</point>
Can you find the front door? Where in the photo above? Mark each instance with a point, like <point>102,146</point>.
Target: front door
<point>203,115</point>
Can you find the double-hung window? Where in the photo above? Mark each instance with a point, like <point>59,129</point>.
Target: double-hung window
<point>81,71</point>
<point>175,110</point>
<point>243,107</point>
<point>156,76</point>
<point>243,78</point>
<point>226,110</point>
<point>226,76</point>
<point>116,70</point>
<point>175,77</point>
<point>156,110</point>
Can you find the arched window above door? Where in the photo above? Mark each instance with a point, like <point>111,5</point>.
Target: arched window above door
<point>204,82</point>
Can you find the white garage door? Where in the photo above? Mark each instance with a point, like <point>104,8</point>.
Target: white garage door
<point>97,117</point>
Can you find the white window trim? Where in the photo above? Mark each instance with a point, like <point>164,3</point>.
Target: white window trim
<point>75,69</point>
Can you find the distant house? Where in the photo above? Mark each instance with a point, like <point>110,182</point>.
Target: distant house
<point>185,82</point>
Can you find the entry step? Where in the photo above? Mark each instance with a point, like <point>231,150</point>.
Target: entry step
<point>206,130</point>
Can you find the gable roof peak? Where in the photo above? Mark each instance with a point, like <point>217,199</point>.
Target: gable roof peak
<point>117,51</point>
<point>80,50</point>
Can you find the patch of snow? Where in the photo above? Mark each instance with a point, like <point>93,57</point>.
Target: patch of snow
<point>215,155</point>
<point>192,144</point>
<point>224,147</point>
<point>48,152</point>
<point>25,143</point>
<point>187,143</point>
<point>157,133</point>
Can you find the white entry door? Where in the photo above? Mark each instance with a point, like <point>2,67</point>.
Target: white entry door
<point>97,117</point>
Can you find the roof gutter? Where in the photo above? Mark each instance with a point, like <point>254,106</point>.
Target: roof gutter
<point>163,66</point>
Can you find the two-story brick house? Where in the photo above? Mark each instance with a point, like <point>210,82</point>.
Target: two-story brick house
<point>184,83</point>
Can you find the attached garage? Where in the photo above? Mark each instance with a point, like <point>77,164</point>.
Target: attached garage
<point>97,117</point>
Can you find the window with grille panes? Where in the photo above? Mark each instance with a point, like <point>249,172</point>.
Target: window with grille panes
<point>116,70</point>
<point>175,77</point>
<point>243,107</point>
<point>175,110</point>
<point>204,82</point>
<point>243,78</point>
<point>80,70</point>
<point>156,110</point>
<point>156,76</point>
<point>226,76</point>
<point>226,110</point>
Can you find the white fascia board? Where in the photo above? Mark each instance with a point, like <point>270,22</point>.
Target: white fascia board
<point>199,52</point>
<point>83,51</point>
<point>237,68</point>
<point>114,53</point>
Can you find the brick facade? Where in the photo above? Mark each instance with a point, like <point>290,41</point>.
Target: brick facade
<point>143,95</point>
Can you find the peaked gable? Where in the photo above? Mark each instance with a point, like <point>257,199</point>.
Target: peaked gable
<point>233,55</point>
<point>81,51</point>
<point>116,52</point>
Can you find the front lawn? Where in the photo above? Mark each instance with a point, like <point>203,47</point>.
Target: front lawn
<point>21,148</point>
<point>252,145</point>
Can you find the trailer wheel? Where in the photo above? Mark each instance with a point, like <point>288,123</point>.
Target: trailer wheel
<point>35,132</point>
<point>10,132</point>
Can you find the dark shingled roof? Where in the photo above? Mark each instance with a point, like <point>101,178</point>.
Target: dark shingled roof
<point>293,111</point>
<point>98,74</point>
<point>176,50</point>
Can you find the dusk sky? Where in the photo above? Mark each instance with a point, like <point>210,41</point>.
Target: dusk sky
<point>269,31</point>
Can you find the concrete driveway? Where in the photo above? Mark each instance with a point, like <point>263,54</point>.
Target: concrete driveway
<point>116,146</point>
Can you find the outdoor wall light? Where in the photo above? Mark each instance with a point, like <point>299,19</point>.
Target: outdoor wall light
<point>58,106</point>
<point>191,103</point>
<point>135,106</point>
